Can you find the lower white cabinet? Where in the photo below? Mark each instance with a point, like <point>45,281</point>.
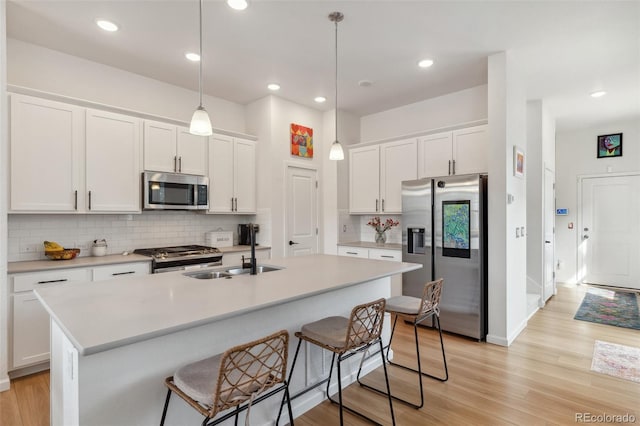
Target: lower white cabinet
<point>380,254</point>
<point>235,258</point>
<point>29,321</point>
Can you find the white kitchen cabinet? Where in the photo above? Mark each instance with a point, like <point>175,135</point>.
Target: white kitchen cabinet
<point>109,272</point>
<point>235,258</point>
<point>232,177</point>
<point>459,152</point>
<point>376,173</point>
<point>46,154</point>
<point>113,166</point>
<point>379,254</point>
<point>169,148</point>
<point>29,321</point>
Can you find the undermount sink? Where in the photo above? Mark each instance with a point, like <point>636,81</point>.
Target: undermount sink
<point>259,269</point>
<point>208,275</point>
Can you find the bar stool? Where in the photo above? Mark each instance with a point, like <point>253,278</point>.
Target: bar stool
<point>415,310</point>
<point>237,378</point>
<point>346,337</point>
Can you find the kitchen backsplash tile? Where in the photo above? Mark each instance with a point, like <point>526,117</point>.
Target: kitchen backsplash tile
<point>122,232</point>
<point>367,233</point>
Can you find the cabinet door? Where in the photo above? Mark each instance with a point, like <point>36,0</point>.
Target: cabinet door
<point>113,162</point>
<point>434,155</point>
<point>192,153</point>
<point>397,163</point>
<point>221,174</point>
<point>244,156</point>
<point>30,330</point>
<point>364,179</point>
<point>160,147</point>
<point>46,155</point>
<point>470,150</point>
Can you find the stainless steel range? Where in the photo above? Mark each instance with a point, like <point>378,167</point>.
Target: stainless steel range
<point>177,258</point>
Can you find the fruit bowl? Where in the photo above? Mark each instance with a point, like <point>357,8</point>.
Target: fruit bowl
<point>65,254</point>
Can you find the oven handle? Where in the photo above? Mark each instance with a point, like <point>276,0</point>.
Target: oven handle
<point>187,267</point>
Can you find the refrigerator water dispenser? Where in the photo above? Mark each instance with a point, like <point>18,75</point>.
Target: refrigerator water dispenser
<point>415,243</point>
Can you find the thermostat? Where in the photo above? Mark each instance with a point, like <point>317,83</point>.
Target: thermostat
<point>562,212</point>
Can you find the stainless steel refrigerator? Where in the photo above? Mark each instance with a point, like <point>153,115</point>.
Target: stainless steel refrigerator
<point>444,227</point>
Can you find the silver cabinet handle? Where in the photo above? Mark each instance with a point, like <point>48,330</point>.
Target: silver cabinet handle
<point>454,167</point>
<point>235,209</point>
<point>75,202</point>
<point>383,204</point>
<point>175,163</point>
<point>89,200</point>
<point>351,252</point>
<point>231,203</point>
<point>449,172</point>
<point>123,273</point>
<point>387,256</point>
<point>180,163</point>
<point>53,281</point>
<point>376,204</point>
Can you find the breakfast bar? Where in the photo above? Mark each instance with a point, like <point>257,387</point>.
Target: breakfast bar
<point>113,343</point>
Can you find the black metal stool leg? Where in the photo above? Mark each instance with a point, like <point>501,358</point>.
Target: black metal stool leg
<point>393,329</point>
<point>288,396</point>
<point>444,357</point>
<point>340,390</point>
<point>166,405</point>
<point>386,379</point>
<point>293,365</point>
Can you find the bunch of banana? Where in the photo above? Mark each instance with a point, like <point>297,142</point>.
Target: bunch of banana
<point>52,246</point>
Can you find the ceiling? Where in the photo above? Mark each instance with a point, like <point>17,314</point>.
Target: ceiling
<point>565,50</point>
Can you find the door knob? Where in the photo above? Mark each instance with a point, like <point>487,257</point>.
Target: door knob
<point>547,242</point>
<point>292,243</point>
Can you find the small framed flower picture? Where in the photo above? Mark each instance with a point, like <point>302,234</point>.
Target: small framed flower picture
<point>518,161</point>
<point>610,145</point>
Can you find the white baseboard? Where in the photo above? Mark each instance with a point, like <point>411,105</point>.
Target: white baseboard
<point>502,341</point>
<point>5,384</point>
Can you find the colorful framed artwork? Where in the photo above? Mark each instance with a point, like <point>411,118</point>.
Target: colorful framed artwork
<point>301,141</point>
<point>518,162</point>
<point>610,145</point>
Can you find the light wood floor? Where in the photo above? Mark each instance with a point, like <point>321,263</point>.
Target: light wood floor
<point>543,378</point>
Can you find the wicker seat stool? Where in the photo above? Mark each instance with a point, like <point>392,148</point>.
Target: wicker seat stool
<point>346,337</point>
<point>239,377</point>
<point>415,310</point>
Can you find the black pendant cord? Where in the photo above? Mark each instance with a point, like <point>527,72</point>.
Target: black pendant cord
<point>336,80</point>
<point>200,61</point>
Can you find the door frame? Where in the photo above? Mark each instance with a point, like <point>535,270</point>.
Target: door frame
<point>579,220</point>
<point>315,169</point>
<point>543,295</point>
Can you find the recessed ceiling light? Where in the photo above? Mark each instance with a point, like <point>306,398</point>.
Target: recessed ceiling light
<point>598,94</point>
<point>192,56</point>
<point>425,63</point>
<point>273,86</point>
<point>238,4</point>
<point>106,25</point>
<point>320,99</point>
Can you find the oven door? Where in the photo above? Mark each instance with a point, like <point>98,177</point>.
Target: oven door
<point>172,191</point>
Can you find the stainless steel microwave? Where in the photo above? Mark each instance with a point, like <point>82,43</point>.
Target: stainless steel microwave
<point>174,191</point>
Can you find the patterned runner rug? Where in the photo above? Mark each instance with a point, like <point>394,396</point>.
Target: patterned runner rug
<point>616,360</point>
<point>602,306</point>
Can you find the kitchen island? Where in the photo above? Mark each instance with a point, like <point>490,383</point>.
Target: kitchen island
<point>113,343</point>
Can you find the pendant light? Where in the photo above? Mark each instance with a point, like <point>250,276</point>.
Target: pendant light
<point>336,152</point>
<point>200,123</point>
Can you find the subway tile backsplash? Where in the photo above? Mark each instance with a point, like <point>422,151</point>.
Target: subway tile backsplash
<point>123,232</point>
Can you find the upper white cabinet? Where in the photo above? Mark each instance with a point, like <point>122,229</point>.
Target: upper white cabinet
<point>47,149</point>
<point>454,153</point>
<point>113,163</point>
<point>376,173</point>
<point>169,148</point>
<point>232,175</point>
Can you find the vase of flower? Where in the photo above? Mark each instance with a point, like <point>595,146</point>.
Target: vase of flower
<point>381,227</point>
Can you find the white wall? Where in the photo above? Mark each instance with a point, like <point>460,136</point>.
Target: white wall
<point>535,196</point>
<point>576,156</point>
<point>4,178</point>
<point>447,110</point>
<point>270,119</point>
<point>507,254</point>
<point>51,71</point>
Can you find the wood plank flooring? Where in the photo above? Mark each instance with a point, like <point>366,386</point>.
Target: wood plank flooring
<point>543,378</point>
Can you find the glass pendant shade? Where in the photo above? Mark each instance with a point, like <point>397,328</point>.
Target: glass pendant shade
<point>200,123</point>
<point>336,152</point>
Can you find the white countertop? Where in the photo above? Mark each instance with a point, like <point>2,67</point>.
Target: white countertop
<point>99,316</point>
<point>78,262</point>
<point>371,244</point>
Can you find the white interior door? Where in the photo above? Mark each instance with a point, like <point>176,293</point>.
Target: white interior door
<point>610,230</point>
<point>549,235</point>
<point>302,211</point>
